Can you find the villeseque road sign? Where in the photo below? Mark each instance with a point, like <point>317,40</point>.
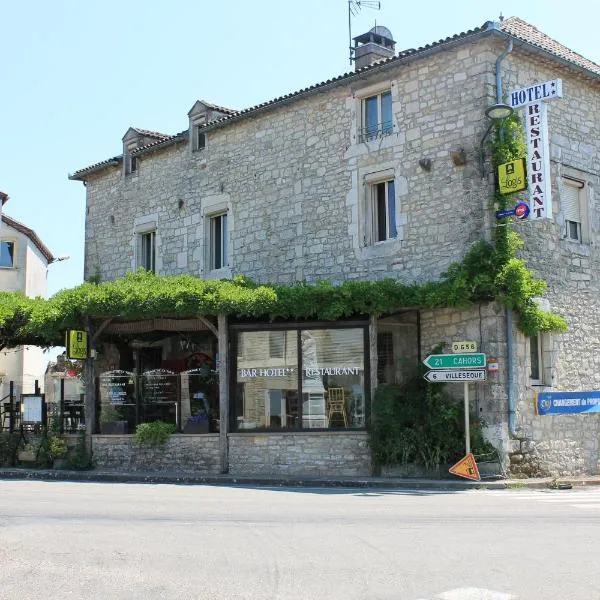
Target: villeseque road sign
<point>455,375</point>
<point>473,360</point>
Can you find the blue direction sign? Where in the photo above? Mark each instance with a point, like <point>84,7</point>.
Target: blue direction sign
<point>500,214</point>
<point>472,360</point>
<point>564,403</point>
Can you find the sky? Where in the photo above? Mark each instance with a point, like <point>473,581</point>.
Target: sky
<point>74,75</point>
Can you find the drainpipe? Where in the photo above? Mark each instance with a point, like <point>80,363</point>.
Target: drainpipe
<point>509,314</point>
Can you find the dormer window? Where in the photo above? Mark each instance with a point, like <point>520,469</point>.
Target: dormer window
<point>200,138</point>
<point>133,164</point>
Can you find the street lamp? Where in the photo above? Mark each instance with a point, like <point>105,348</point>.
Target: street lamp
<point>495,112</point>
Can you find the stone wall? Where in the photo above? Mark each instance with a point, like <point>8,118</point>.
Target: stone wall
<point>293,180</point>
<point>562,444</point>
<point>303,165</point>
<point>322,454</point>
<point>486,325</point>
<point>197,454</point>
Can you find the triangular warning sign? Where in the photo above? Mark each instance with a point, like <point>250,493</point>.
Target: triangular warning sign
<point>466,467</point>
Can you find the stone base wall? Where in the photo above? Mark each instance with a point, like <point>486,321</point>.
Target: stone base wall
<point>322,454</point>
<point>197,454</point>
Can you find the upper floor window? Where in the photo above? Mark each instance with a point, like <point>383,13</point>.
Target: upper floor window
<point>218,237</point>
<point>382,204</point>
<point>7,254</point>
<point>574,208</point>
<point>131,164</point>
<point>147,251</point>
<point>199,138</point>
<point>376,116</point>
<point>535,359</point>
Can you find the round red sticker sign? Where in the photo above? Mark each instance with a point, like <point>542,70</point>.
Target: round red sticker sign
<point>522,210</point>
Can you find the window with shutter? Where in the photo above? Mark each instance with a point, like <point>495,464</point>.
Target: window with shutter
<point>571,196</point>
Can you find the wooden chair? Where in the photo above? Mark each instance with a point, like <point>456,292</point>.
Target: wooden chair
<point>336,404</point>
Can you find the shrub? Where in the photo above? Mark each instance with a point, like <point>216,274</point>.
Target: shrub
<point>420,423</point>
<point>153,435</point>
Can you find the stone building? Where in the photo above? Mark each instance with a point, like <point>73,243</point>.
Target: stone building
<point>381,172</point>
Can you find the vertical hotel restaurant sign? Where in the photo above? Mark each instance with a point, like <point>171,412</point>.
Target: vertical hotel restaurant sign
<point>533,100</point>
<point>77,344</point>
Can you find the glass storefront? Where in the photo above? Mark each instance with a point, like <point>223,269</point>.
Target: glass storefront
<point>311,378</point>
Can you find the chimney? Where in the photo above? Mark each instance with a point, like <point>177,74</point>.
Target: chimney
<point>372,46</point>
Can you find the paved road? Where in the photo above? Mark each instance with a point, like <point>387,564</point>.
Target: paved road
<point>112,541</point>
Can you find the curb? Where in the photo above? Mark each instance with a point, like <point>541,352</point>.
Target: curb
<point>300,482</point>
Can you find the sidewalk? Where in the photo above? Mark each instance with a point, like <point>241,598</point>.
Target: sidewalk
<point>396,483</point>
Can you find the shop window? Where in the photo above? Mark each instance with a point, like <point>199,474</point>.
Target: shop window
<point>376,116</point>
<point>329,394</point>
<point>218,239</point>
<point>267,386</point>
<point>573,205</point>
<point>147,251</point>
<point>7,254</point>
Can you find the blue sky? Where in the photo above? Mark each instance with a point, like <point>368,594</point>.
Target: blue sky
<point>75,75</point>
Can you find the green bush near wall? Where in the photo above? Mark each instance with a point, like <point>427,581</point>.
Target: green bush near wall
<point>421,423</point>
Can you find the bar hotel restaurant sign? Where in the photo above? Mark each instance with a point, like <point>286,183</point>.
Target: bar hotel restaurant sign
<point>533,100</point>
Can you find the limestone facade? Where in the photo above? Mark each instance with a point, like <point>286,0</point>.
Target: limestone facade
<point>295,179</point>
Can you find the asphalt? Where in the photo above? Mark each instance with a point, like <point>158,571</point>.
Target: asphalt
<point>489,483</point>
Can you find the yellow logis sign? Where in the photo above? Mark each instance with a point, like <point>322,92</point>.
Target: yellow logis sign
<point>77,344</point>
<point>511,176</point>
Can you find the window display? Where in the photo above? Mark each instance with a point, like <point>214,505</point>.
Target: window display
<point>300,379</point>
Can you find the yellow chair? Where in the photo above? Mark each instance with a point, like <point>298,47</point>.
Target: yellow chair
<point>336,404</point>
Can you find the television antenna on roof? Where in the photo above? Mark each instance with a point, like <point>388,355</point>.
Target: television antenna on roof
<point>354,7</point>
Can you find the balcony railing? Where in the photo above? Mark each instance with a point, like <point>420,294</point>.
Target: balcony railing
<point>373,132</point>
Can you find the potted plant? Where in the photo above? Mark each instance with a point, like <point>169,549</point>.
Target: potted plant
<point>111,422</point>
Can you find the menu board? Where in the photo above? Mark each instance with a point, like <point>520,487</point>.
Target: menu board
<point>32,409</point>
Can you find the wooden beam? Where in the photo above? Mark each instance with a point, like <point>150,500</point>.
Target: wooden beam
<point>223,337</point>
<point>103,326</point>
<point>209,325</point>
<point>373,354</point>
<point>90,389</point>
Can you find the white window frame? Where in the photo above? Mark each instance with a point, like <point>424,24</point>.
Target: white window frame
<point>383,128</point>
<point>574,211</point>
<point>544,359</point>
<point>142,236</point>
<point>224,240</point>
<point>14,253</point>
<point>372,229</point>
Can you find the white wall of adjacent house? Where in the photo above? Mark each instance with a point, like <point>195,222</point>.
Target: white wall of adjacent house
<point>23,365</point>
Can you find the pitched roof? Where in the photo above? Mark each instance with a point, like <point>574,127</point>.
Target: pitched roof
<point>528,33</point>
<point>223,109</point>
<point>3,197</point>
<point>513,26</point>
<point>31,234</point>
<point>152,134</point>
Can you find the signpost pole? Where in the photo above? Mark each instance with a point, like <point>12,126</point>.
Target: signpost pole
<point>467,424</point>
